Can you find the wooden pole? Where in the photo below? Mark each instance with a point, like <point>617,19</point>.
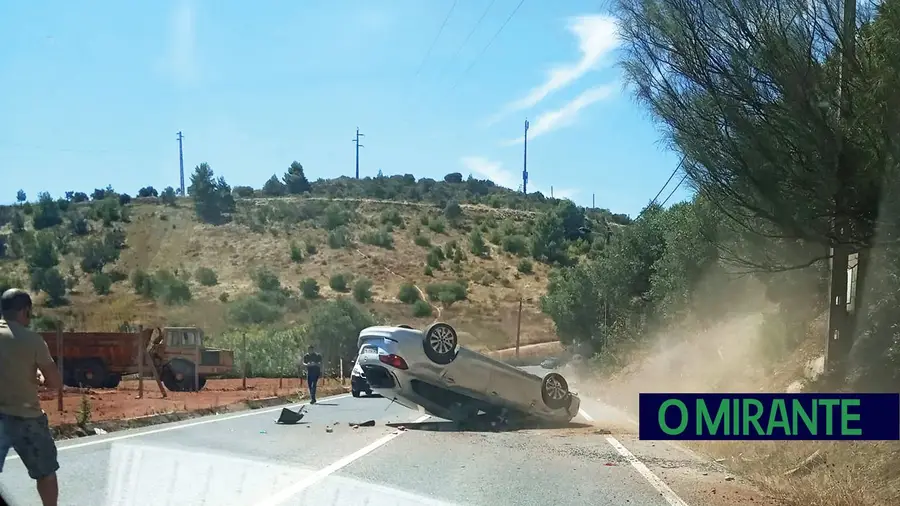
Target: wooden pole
<point>244,361</point>
<point>59,365</point>
<point>518,327</point>
<point>197,367</point>
<point>140,358</point>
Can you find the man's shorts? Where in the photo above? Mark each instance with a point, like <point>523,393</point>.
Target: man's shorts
<point>33,442</point>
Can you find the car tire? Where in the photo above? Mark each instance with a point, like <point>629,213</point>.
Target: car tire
<point>555,391</point>
<point>354,393</point>
<point>440,343</point>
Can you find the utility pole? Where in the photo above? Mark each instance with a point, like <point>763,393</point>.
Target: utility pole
<point>525,163</point>
<point>840,327</point>
<point>181,160</point>
<point>593,203</point>
<point>358,145</point>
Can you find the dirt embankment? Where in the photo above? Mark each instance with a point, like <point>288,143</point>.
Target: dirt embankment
<point>730,357</point>
<point>123,402</point>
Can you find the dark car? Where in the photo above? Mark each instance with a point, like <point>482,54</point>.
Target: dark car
<point>358,382</point>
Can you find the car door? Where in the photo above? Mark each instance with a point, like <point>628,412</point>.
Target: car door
<point>514,387</point>
<point>468,372</point>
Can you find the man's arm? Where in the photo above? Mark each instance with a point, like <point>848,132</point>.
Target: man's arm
<point>46,365</point>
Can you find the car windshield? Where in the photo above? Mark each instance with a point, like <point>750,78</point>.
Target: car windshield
<point>533,211</point>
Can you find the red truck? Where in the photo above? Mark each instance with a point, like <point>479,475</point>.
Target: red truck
<point>100,359</point>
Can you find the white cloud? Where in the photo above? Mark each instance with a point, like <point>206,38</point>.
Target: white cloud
<point>565,115</point>
<point>597,37</point>
<point>181,61</point>
<point>493,170</point>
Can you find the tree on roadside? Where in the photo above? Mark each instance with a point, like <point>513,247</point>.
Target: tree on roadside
<point>213,201</point>
<point>295,180</point>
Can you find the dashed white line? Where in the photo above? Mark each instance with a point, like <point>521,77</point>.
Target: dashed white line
<point>252,412</point>
<point>668,494</point>
<point>314,478</point>
<point>655,481</point>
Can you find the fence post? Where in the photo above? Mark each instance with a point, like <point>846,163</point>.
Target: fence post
<point>59,365</point>
<point>518,327</point>
<point>244,361</point>
<point>141,358</point>
<point>197,368</point>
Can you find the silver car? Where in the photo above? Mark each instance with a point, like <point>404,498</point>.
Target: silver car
<point>430,370</point>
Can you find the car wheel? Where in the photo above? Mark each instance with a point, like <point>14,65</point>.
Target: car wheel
<point>354,393</point>
<point>440,343</point>
<point>555,391</point>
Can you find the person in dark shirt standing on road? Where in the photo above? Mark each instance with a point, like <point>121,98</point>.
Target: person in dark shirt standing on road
<point>24,359</point>
<point>313,363</point>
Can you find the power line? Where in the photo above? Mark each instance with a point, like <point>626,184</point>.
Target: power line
<point>497,34</point>
<point>674,190</point>
<point>667,181</point>
<point>436,37</point>
<point>664,187</point>
<point>472,32</point>
<point>469,36</point>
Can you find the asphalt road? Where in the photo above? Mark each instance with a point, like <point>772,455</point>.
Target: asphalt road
<point>245,458</point>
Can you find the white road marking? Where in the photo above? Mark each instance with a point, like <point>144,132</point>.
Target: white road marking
<point>314,478</point>
<point>673,444</point>
<point>655,481</point>
<point>252,412</point>
<point>668,494</point>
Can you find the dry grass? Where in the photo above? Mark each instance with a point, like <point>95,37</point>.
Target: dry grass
<point>729,357</point>
<point>851,473</point>
<point>161,237</point>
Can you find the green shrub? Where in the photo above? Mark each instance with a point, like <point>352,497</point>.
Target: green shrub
<point>340,282</point>
<point>408,294</point>
<point>477,245</point>
<point>456,289</point>
<point>362,290</point>
<point>421,240</point>
<point>296,253</point>
<point>309,288</point>
<point>381,238</point>
<point>339,238</point>
<point>515,244</point>
<point>206,276</point>
<point>253,310</point>
<point>391,216</point>
<point>101,282</point>
<point>525,266</point>
<point>422,309</point>
<point>438,226</point>
<point>266,280</point>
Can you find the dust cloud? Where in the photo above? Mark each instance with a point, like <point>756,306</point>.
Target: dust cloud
<point>736,355</point>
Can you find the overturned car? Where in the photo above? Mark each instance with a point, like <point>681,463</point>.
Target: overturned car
<point>429,369</point>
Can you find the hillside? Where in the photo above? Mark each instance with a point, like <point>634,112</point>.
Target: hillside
<point>165,266</point>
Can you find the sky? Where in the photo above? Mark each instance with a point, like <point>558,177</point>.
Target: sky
<point>93,93</point>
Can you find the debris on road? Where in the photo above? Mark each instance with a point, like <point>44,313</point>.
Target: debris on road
<point>367,423</point>
<point>289,417</point>
<point>329,429</point>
